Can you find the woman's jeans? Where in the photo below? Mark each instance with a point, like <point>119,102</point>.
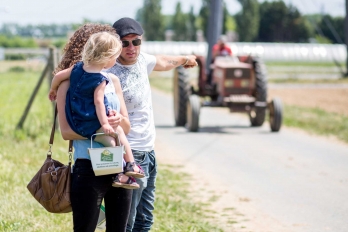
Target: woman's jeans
<point>141,217</point>
<point>87,193</point>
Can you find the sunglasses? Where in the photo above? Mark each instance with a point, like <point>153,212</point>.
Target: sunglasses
<point>136,42</point>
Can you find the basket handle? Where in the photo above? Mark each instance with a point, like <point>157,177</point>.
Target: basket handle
<point>118,143</point>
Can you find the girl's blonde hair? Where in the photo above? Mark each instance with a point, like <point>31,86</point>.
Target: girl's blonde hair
<point>72,50</point>
<point>101,47</point>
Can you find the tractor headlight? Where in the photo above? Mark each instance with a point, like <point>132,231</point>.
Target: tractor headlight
<point>244,83</point>
<point>229,83</point>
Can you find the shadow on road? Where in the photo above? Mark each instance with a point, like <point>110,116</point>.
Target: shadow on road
<point>211,129</point>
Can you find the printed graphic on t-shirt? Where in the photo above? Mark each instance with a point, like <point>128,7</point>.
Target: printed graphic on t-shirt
<point>137,96</point>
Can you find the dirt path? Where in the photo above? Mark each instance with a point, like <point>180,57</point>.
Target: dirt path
<point>330,99</point>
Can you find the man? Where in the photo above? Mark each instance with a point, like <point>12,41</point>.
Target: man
<point>133,68</point>
<point>221,48</point>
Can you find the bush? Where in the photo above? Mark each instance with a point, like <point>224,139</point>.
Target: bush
<point>16,69</point>
<point>17,42</point>
<point>15,57</point>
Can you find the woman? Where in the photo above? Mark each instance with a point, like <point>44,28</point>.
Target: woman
<point>87,190</point>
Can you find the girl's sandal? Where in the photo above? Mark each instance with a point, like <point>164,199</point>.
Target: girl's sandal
<point>129,184</point>
<point>129,170</point>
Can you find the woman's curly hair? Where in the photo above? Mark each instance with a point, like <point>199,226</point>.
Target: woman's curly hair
<point>72,50</point>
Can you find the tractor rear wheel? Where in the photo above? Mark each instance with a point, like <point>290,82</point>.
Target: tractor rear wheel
<point>193,110</point>
<point>275,114</point>
<point>181,91</point>
<point>258,113</point>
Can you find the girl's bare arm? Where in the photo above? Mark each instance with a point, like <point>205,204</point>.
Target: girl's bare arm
<point>66,131</point>
<point>57,80</point>
<point>100,108</point>
<point>123,116</point>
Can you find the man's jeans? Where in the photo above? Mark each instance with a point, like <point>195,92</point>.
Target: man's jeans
<point>141,217</point>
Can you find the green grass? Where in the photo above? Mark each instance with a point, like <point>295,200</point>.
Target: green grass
<point>164,84</point>
<point>309,119</point>
<point>23,151</point>
<point>317,121</point>
<point>175,210</point>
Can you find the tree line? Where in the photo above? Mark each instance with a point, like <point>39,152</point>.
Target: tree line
<point>256,22</point>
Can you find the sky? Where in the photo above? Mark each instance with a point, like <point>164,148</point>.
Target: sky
<point>26,12</point>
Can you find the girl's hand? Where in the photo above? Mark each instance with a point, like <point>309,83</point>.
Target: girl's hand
<point>107,129</point>
<point>52,95</point>
<point>114,118</point>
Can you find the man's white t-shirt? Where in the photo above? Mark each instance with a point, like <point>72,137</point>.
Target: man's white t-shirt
<point>135,84</point>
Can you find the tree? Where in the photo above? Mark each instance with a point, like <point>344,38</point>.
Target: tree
<point>179,24</point>
<point>299,28</point>
<point>191,26</point>
<point>152,19</point>
<point>139,15</point>
<point>225,17</point>
<point>204,14</point>
<point>332,28</point>
<point>248,20</point>
<point>36,31</point>
<point>280,23</point>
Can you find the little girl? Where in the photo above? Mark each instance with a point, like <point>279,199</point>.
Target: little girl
<point>87,107</point>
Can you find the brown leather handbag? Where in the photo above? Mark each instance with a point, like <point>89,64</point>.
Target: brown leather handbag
<point>51,184</point>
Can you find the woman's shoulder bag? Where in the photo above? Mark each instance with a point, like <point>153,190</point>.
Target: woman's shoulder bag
<point>51,184</point>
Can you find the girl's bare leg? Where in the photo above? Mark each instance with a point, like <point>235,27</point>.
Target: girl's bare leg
<point>106,140</point>
<point>128,157</point>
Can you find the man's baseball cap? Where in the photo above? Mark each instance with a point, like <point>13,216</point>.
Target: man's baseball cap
<point>126,26</point>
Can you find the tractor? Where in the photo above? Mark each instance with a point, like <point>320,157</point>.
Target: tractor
<point>236,82</point>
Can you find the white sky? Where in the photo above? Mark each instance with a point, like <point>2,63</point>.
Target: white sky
<point>74,11</point>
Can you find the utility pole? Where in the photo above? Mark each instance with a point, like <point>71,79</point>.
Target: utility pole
<point>346,36</point>
<point>214,26</point>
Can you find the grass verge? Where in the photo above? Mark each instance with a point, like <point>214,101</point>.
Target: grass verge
<point>317,121</point>
<point>175,210</point>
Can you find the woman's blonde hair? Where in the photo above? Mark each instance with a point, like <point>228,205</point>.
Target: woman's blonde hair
<point>73,49</point>
<point>101,47</point>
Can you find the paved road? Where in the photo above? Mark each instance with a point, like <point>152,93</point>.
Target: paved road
<point>289,181</point>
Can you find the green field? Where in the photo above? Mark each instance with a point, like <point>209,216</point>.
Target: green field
<point>23,151</point>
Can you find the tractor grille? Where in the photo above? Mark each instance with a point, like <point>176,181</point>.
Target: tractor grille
<point>238,73</point>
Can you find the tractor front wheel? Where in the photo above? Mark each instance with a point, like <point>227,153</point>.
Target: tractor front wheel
<point>181,91</point>
<point>258,112</point>
<point>275,114</point>
<point>193,110</point>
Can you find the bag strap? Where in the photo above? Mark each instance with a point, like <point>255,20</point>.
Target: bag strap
<point>49,153</point>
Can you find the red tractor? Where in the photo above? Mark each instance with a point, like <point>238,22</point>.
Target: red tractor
<point>237,82</point>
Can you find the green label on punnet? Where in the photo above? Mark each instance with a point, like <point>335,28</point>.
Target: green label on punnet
<point>107,156</point>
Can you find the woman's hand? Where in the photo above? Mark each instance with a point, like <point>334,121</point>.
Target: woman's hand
<point>52,95</point>
<point>114,118</point>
